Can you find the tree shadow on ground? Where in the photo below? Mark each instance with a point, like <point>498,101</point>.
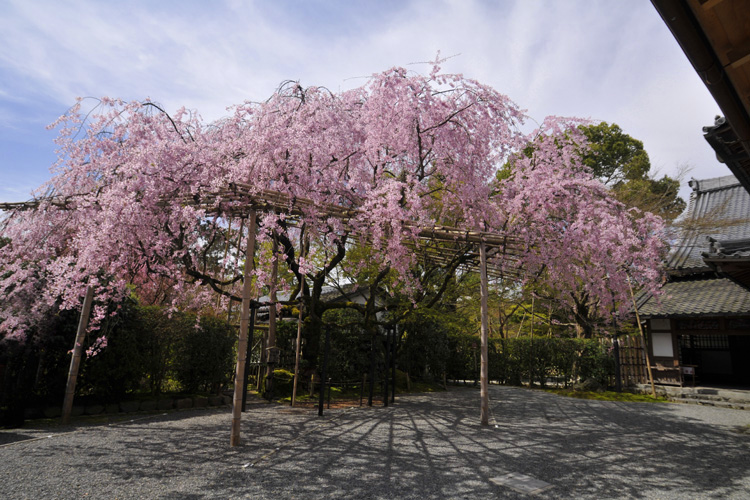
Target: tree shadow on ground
<point>427,446</point>
<point>584,449</point>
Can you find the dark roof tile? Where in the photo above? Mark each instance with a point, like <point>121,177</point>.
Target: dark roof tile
<point>725,205</point>
<point>698,297</point>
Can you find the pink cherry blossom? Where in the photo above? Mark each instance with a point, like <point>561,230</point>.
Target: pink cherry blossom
<point>139,198</point>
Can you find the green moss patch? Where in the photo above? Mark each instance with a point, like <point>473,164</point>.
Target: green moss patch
<point>608,396</point>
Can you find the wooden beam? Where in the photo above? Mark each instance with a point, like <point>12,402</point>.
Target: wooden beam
<point>740,60</point>
<point>710,4</point>
<point>247,290</point>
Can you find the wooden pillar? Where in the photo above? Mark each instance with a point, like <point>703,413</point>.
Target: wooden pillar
<point>372,371</point>
<point>239,373</point>
<point>618,370</point>
<point>643,338</point>
<point>393,365</point>
<point>272,352</point>
<point>297,347</point>
<point>239,240</point>
<point>324,375</point>
<point>616,347</point>
<point>262,360</point>
<point>386,367</point>
<point>245,379</point>
<point>484,369</point>
<point>75,362</point>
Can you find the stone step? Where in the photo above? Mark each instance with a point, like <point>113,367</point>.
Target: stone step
<point>712,402</point>
<point>728,397</point>
<point>709,397</point>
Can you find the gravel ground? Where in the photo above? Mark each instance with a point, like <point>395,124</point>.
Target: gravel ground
<point>426,446</point>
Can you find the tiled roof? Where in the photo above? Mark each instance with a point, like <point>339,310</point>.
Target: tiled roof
<point>725,206</point>
<point>327,294</point>
<point>698,297</point>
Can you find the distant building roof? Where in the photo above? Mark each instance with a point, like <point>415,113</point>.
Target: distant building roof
<point>719,209</point>
<point>710,297</point>
<point>348,291</point>
<point>327,294</point>
<point>709,267</point>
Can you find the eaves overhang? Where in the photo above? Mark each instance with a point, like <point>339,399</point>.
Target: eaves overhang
<point>715,36</point>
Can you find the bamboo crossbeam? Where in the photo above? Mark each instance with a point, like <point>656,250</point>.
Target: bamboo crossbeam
<point>281,202</point>
<point>32,204</point>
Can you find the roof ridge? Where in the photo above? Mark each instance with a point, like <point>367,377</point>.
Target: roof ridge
<point>713,184</point>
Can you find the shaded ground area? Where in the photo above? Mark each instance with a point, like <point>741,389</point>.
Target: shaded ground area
<point>426,446</point>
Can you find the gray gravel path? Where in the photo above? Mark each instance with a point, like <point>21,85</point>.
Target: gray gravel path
<point>426,446</point>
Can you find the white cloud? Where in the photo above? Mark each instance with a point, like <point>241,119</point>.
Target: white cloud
<point>608,61</point>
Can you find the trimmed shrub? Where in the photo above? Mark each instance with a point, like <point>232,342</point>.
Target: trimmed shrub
<point>531,360</point>
<point>203,353</point>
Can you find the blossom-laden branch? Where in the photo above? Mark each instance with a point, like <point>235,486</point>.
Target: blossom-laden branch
<point>403,151</point>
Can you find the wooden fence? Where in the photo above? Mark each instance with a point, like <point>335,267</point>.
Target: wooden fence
<point>632,361</point>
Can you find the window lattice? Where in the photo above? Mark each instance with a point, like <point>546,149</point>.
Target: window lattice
<point>705,342</point>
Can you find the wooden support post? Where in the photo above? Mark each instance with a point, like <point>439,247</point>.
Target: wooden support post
<point>329,393</point>
<point>324,375</point>
<point>297,351</point>
<point>247,289</point>
<point>616,347</point>
<point>484,369</point>
<point>643,338</point>
<point>618,371</point>
<point>273,352</point>
<point>371,377</point>
<point>393,366</point>
<point>224,259</point>
<point>245,379</point>
<point>297,346</point>
<point>386,367</point>
<point>75,362</point>
<point>239,240</point>
<point>262,360</point>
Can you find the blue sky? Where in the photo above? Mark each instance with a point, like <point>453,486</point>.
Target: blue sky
<point>603,60</point>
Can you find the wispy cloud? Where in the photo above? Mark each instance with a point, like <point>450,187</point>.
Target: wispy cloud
<point>608,61</point>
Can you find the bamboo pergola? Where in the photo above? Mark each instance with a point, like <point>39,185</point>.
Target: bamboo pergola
<point>240,199</point>
<point>485,252</point>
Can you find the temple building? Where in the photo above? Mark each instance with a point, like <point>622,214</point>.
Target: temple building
<point>699,329</point>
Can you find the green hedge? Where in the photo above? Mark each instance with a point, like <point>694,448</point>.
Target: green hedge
<point>350,346</point>
<point>536,360</point>
<point>148,351</point>
<point>432,347</point>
